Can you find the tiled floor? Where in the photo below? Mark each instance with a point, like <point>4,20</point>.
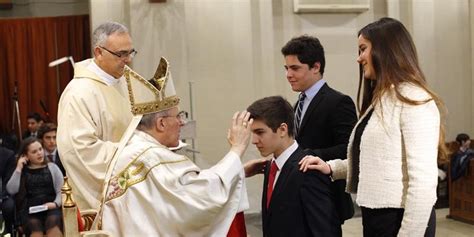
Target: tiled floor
<point>353,227</point>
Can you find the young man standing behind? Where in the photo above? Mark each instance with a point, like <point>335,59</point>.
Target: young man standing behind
<point>324,117</point>
<point>293,203</point>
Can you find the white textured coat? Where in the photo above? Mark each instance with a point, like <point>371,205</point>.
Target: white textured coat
<point>398,159</point>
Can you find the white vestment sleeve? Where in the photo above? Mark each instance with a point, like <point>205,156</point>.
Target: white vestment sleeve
<point>156,192</point>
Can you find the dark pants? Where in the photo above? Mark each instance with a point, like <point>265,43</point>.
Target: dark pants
<point>386,222</point>
<point>8,212</point>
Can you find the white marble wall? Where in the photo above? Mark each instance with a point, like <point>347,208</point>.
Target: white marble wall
<point>446,59</point>
<point>230,51</point>
<point>109,10</point>
<point>442,33</point>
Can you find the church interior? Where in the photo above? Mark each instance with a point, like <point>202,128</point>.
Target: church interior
<point>225,54</point>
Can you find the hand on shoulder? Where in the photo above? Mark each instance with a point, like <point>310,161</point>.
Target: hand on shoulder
<point>314,163</point>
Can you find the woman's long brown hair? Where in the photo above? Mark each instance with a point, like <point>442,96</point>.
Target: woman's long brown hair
<point>395,61</point>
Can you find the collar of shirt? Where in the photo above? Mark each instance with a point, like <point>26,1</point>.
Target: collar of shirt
<point>46,153</point>
<point>107,78</point>
<point>283,157</point>
<point>311,93</point>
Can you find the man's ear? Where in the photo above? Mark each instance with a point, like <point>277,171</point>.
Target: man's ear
<point>97,52</point>
<point>316,67</point>
<point>283,130</point>
<point>160,124</point>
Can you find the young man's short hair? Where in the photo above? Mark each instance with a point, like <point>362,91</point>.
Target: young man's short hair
<point>273,111</point>
<point>308,49</point>
<point>34,116</point>
<point>462,137</point>
<point>46,128</point>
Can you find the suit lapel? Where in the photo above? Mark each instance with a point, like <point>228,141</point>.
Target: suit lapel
<point>56,156</point>
<point>265,185</point>
<point>313,104</point>
<point>282,181</point>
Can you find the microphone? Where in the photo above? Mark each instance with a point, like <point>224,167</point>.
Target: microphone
<point>58,61</point>
<point>61,60</point>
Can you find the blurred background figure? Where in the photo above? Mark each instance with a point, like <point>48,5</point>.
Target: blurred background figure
<point>461,158</point>
<point>47,135</point>
<point>7,165</point>
<point>34,121</point>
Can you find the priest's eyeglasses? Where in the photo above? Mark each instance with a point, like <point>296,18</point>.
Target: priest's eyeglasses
<point>121,54</point>
<point>181,116</point>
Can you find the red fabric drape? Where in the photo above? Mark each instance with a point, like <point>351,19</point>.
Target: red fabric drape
<point>26,48</point>
<point>237,228</point>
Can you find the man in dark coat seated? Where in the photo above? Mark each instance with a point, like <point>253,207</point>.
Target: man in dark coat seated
<point>460,160</point>
<point>7,166</point>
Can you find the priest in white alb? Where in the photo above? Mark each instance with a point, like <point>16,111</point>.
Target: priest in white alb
<point>94,112</point>
<point>153,191</point>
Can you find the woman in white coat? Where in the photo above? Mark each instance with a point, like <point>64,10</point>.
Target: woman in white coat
<point>393,149</point>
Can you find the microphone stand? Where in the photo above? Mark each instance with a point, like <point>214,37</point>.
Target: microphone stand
<point>16,111</point>
<point>46,111</point>
<point>54,64</point>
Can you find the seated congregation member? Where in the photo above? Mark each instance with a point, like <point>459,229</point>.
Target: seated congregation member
<point>34,121</point>
<point>7,166</point>
<point>153,191</point>
<point>462,157</point>
<point>464,142</point>
<point>37,183</point>
<point>293,203</point>
<point>47,134</point>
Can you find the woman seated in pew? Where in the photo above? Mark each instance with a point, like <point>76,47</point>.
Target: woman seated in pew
<point>36,184</point>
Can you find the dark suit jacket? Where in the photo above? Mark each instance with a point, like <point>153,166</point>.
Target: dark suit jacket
<point>7,166</point>
<point>325,130</point>
<point>302,204</point>
<point>27,134</point>
<point>58,162</point>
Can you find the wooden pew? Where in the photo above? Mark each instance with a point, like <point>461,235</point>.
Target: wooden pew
<point>461,193</point>
<point>461,197</point>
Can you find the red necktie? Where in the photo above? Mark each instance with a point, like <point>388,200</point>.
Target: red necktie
<point>271,180</point>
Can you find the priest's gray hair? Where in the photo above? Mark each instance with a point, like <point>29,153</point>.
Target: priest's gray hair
<point>102,32</point>
<point>148,120</point>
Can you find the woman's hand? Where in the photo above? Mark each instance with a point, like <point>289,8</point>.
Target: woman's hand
<point>314,163</point>
<point>51,205</point>
<point>21,163</point>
